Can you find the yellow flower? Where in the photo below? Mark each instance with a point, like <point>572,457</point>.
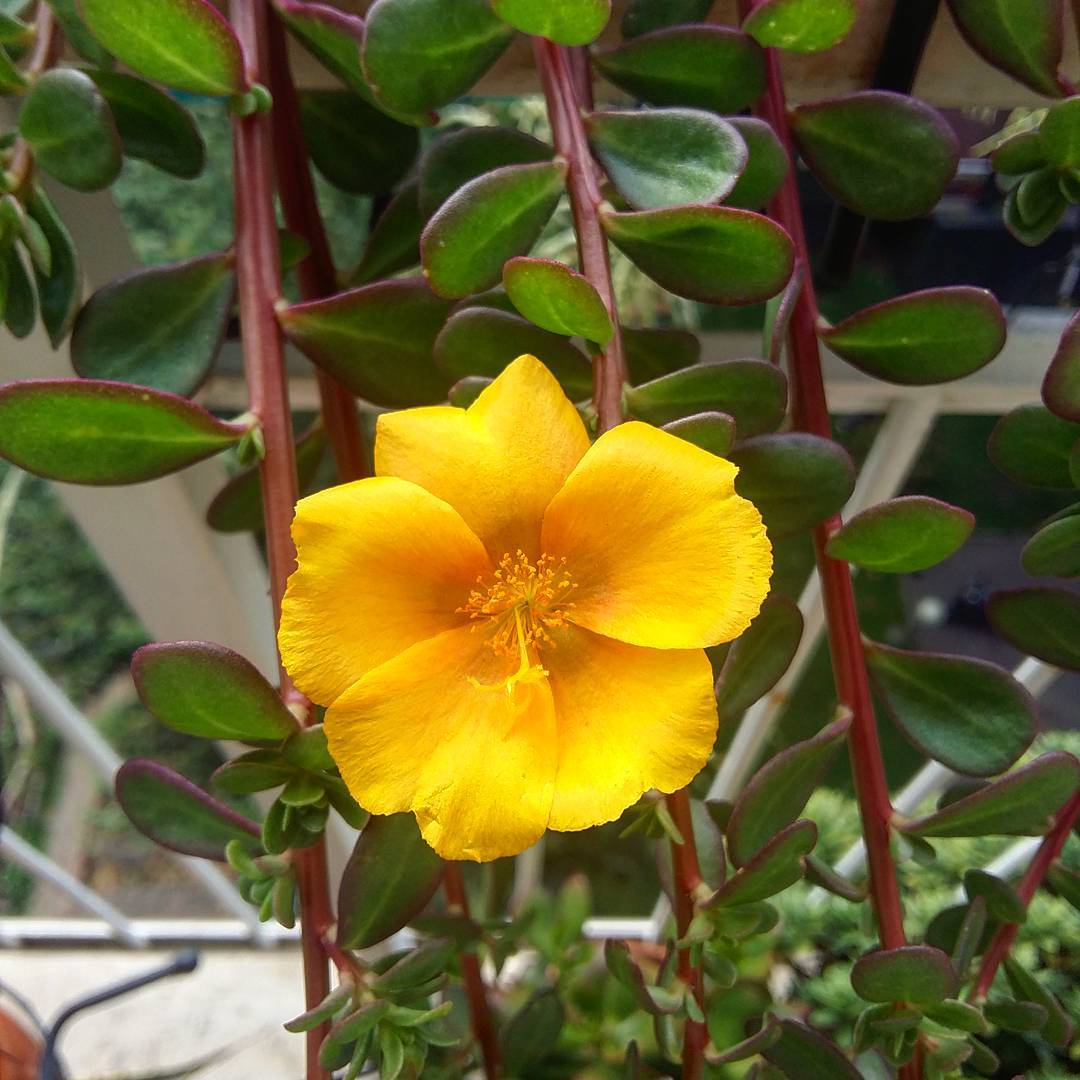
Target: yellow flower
<point>508,624</point>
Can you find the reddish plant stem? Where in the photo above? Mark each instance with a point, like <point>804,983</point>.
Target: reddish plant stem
<point>482,1024</point>
<point>811,413</point>
<point>561,89</point>
<point>316,272</point>
<point>687,879</point>
<point>48,43</point>
<point>259,281</point>
<point>1034,876</point>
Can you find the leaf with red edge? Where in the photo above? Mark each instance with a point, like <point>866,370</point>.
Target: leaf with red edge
<point>491,219</point>
<point>177,814</point>
<point>377,340</point>
<point>566,22</point>
<point>1043,622</point>
<point>883,155</point>
<point>557,299</point>
<point>801,26</point>
<point>1061,386</point>
<point>203,689</point>
<point>83,431</point>
<point>919,974</point>
<point>780,789</point>
<point>390,876</point>
<point>1023,38</point>
<point>803,1052</point>
<point>710,253</point>
<point>1021,803</point>
<point>776,865</point>
<point>185,44</point>
<point>766,164</point>
<point>970,715</point>
<point>923,338</point>
<point>706,67</point>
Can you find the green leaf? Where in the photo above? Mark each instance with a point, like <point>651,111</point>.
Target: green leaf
<point>20,311</point>
<point>1020,1016</point>
<point>778,312</point>
<point>1051,204</point>
<point>186,44</point>
<point>556,298</point>
<point>203,689</point>
<point>1060,134</point>
<point>758,658</point>
<point>59,291</point>
<point>712,431</point>
<point>566,22</point>
<point>389,878</point>
<point>796,480</point>
<point>957,1015</point>
<point>641,16</point>
<point>256,770</point>
<point>420,54</point>
<point>778,864</point>
<point>1061,386</point>
<point>802,26</point>
<point>779,791</point>
<point>709,841</point>
<point>77,34</point>
<point>667,157</point>
<point>923,338</point>
<point>1054,550</point>
<point>805,1053</point>
<point>706,67</point>
<point>766,165</point>
<point>69,127</point>
<point>884,155</point>
<point>752,392</point>
<point>152,126</point>
<point>1065,882</point>
<point>652,352</point>
<point>532,1032</point>
<point>482,341</point>
<point>1001,899</point>
<point>87,432</point>
<point>1021,37</point>
<point>1058,1028</point>
<point>416,967</point>
<point>768,1035</point>
<point>238,506</point>
<point>1031,445</point>
<point>491,219</point>
<point>160,327</point>
<point>12,80</point>
<point>1021,803</point>
<point>919,974</point>
<point>820,873</point>
<point>176,813</point>
<point>357,147</point>
<point>968,714</point>
<point>709,253</point>
<point>1043,622</point>
<point>376,340</point>
<point>1021,153</point>
<point>394,242</point>
<point>903,535</point>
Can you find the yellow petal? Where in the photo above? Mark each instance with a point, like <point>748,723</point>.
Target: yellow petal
<point>437,731</point>
<point>499,462</point>
<point>662,551</point>
<point>628,719</point>
<point>382,564</point>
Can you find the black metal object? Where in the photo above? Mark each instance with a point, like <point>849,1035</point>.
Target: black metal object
<point>905,40</point>
<point>51,1067</point>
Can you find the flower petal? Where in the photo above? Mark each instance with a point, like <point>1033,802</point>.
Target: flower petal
<point>662,551</point>
<point>628,719</point>
<point>499,462</point>
<point>438,731</point>
<point>382,564</point>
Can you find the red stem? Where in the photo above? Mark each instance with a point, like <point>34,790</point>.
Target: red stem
<point>1033,877</point>
<point>811,413</point>
<point>316,272</point>
<point>562,84</point>
<point>259,280</point>
<point>482,1024</point>
<point>687,879</point>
